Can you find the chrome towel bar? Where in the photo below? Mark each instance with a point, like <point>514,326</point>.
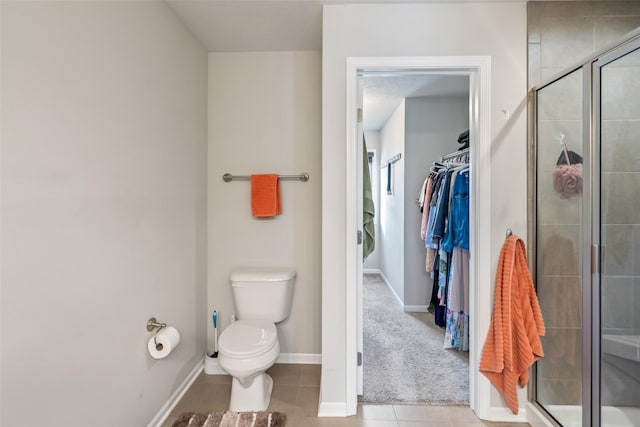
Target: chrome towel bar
<point>227,177</point>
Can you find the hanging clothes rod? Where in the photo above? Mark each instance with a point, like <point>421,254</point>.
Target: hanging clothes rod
<point>455,154</point>
<point>304,177</point>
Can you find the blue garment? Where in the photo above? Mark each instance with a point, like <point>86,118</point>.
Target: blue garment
<point>442,208</point>
<point>457,234</point>
<point>439,311</point>
<point>429,241</point>
<point>460,211</point>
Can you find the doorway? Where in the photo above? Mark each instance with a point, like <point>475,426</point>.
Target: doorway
<point>477,69</point>
<point>413,121</point>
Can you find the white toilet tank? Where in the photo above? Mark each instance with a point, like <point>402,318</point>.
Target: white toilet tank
<point>262,293</point>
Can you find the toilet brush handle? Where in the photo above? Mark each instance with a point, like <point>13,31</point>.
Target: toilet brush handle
<point>215,331</point>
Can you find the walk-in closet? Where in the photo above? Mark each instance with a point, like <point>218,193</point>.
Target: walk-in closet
<point>415,305</point>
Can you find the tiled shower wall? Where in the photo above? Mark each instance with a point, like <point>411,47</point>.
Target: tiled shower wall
<point>562,34</point>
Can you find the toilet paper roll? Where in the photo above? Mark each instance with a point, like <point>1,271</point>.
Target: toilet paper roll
<point>162,344</point>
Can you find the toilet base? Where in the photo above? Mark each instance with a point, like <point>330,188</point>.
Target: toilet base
<point>254,398</point>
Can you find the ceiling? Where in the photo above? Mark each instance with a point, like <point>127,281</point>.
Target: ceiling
<point>264,25</point>
<point>294,25</point>
<point>252,25</point>
<point>383,94</point>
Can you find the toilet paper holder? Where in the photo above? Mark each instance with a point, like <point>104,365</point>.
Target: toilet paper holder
<point>153,323</point>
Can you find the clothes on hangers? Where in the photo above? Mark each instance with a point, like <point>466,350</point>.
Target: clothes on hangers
<point>445,230</point>
<point>458,225</point>
<point>457,315</point>
<point>425,206</point>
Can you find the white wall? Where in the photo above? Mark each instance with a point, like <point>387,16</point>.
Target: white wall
<point>264,117</point>
<point>373,142</point>
<point>432,128</point>
<point>417,30</point>
<point>103,209</point>
<point>392,137</point>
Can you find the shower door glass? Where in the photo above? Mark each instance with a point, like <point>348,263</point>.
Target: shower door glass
<point>619,152</point>
<point>559,244</point>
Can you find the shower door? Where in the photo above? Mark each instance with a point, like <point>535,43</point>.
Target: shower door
<point>617,227</point>
<point>558,241</point>
<point>585,234</point>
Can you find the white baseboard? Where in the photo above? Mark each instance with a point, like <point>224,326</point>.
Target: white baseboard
<point>332,409</point>
<point>502,414</point>
<point>300,358</point>
<point>415,308</point>
<point>175,397</point>
<point>393,291</point>
<point>406,308</point>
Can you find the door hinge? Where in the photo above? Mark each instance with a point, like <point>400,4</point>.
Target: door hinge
<point>359,115</point>
<point>359,358</point>
<point>359,237</point>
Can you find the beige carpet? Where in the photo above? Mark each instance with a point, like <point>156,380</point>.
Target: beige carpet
<point>404,356</point>
<point>231,419</point>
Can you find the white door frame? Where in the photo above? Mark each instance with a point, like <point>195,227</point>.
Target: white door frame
<point>360,218</point>
<point>478,68</point>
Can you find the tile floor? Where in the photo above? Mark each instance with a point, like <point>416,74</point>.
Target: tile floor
<point>295,393</point>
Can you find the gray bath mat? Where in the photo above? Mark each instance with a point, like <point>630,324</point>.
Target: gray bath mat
<point>231,419</point>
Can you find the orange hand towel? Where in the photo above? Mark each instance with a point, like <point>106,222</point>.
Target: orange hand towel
<point>513,341</point>
<point>265,195</point>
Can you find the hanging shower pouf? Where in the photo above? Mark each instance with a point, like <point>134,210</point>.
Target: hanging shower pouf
<point>567,178</point>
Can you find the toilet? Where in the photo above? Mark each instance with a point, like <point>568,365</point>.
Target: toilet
<point>249,346</point>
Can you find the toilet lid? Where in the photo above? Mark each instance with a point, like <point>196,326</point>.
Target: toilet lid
<point>246,338</point>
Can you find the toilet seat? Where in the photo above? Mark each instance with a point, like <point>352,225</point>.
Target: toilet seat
<point>248,339</point>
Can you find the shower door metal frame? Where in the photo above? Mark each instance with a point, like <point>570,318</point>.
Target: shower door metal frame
<point>532,168</point>
<point>592,249</point>
<point>597,259</point>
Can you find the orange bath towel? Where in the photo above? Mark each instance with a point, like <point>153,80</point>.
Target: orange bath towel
<point>513,341</point>
<point>265,195</point>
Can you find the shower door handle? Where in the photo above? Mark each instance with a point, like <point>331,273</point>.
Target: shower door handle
<point>597,253</point>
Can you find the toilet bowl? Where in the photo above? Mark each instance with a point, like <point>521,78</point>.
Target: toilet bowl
<point>247,349</point>
<point>249,346</point>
